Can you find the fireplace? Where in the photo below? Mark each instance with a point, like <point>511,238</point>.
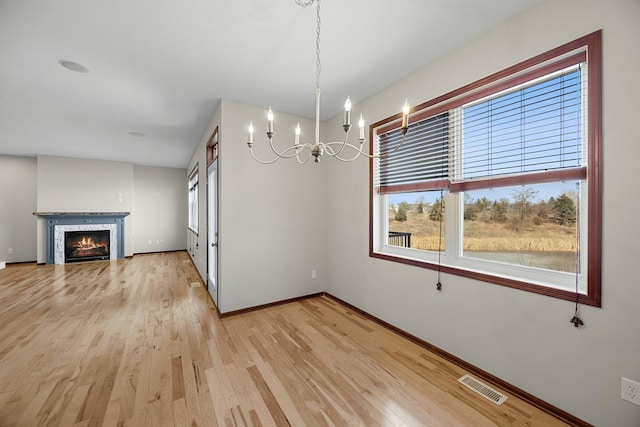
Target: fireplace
<point>86,245</point>
<point>105,229</point>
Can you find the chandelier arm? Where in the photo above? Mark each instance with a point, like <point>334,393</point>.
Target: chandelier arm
<point>264,162</point>
<point>359,150</point>
<point>349,160</point>
<point>332,152</point>
<point>388,153</point>
<point>337,154</point>
<point>344,143</point>
<point>283,154</point>
<point>305,160</point>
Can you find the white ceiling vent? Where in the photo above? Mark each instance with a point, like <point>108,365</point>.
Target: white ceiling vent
<point>483,390</point>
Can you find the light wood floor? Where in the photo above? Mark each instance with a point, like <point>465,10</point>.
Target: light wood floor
<point>130,343</point>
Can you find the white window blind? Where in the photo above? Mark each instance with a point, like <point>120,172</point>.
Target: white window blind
<point>530,128</point>
<point>536,127</point>
<point>423,158</point>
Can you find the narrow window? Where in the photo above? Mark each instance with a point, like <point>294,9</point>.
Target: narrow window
<point>193,200</point>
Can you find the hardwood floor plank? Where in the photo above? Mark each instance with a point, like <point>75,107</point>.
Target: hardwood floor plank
<point>267,396</point>
<point>131,343</point>
<point>177,382</point>
<point>74,407</point>
<point>180,413</point>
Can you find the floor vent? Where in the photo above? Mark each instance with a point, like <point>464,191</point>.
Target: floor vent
<point>483,390</point>
<point>195,284</point>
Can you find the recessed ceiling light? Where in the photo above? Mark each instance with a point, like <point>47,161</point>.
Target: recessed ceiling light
<point>137,134</point>
<point>73,66</point>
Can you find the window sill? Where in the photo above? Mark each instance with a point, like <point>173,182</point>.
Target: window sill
<point>492,278</point>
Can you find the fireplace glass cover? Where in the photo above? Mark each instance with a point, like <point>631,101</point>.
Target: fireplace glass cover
<point>86,245</point>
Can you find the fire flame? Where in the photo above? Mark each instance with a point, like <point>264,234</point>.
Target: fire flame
<point>88,243</point>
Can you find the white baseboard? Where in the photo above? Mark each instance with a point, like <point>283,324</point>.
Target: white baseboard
<point>3,264</point>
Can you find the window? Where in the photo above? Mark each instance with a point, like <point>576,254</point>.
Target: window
<point>500,180</point>
<point>212,147</point>
<point>193,200</point>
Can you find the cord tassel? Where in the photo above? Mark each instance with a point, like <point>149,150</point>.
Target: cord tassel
<point>576,320</point>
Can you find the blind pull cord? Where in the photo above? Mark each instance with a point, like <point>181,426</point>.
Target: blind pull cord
<point>577,322</point>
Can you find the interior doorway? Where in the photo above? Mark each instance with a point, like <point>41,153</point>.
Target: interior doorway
<point>213,199</point>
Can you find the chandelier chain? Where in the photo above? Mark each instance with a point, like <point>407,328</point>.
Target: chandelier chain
<point>304,3</point>
<point>318,66</point>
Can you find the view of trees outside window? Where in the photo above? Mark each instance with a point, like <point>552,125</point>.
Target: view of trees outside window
<point>418,214</point>
<point>532,225</point>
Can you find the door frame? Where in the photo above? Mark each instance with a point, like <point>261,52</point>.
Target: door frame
<point>212,156</point>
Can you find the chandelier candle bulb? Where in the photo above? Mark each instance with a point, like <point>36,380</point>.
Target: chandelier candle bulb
<point>251,133</point>
<point>296,138</point>
<point>347,112</point>
<point>269,122</point>
<point>405,114</point>
<point>361,127</point>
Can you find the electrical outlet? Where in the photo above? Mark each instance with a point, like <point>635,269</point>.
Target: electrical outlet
<point>314,274</point>
<point>10,250</point>
<point>630,391</point>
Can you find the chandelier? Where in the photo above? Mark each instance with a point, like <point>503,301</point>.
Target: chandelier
<point>303,152</point>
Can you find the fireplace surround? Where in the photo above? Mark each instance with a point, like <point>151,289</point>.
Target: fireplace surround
<point>87,245</point>
<point>59,223</point>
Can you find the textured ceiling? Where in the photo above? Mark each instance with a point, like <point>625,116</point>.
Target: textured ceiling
<point>160,67</point>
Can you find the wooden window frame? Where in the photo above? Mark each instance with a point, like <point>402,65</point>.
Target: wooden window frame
<point>212,147</point>
<point>590,46</point>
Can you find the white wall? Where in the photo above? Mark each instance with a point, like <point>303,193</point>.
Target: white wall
<point>159,209</point>
<point>271,216</point>
<point>84,185</point>
<point>17,204</point>
<point>156,198</point>
<point>272,226</point>
<point>523,338</point>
